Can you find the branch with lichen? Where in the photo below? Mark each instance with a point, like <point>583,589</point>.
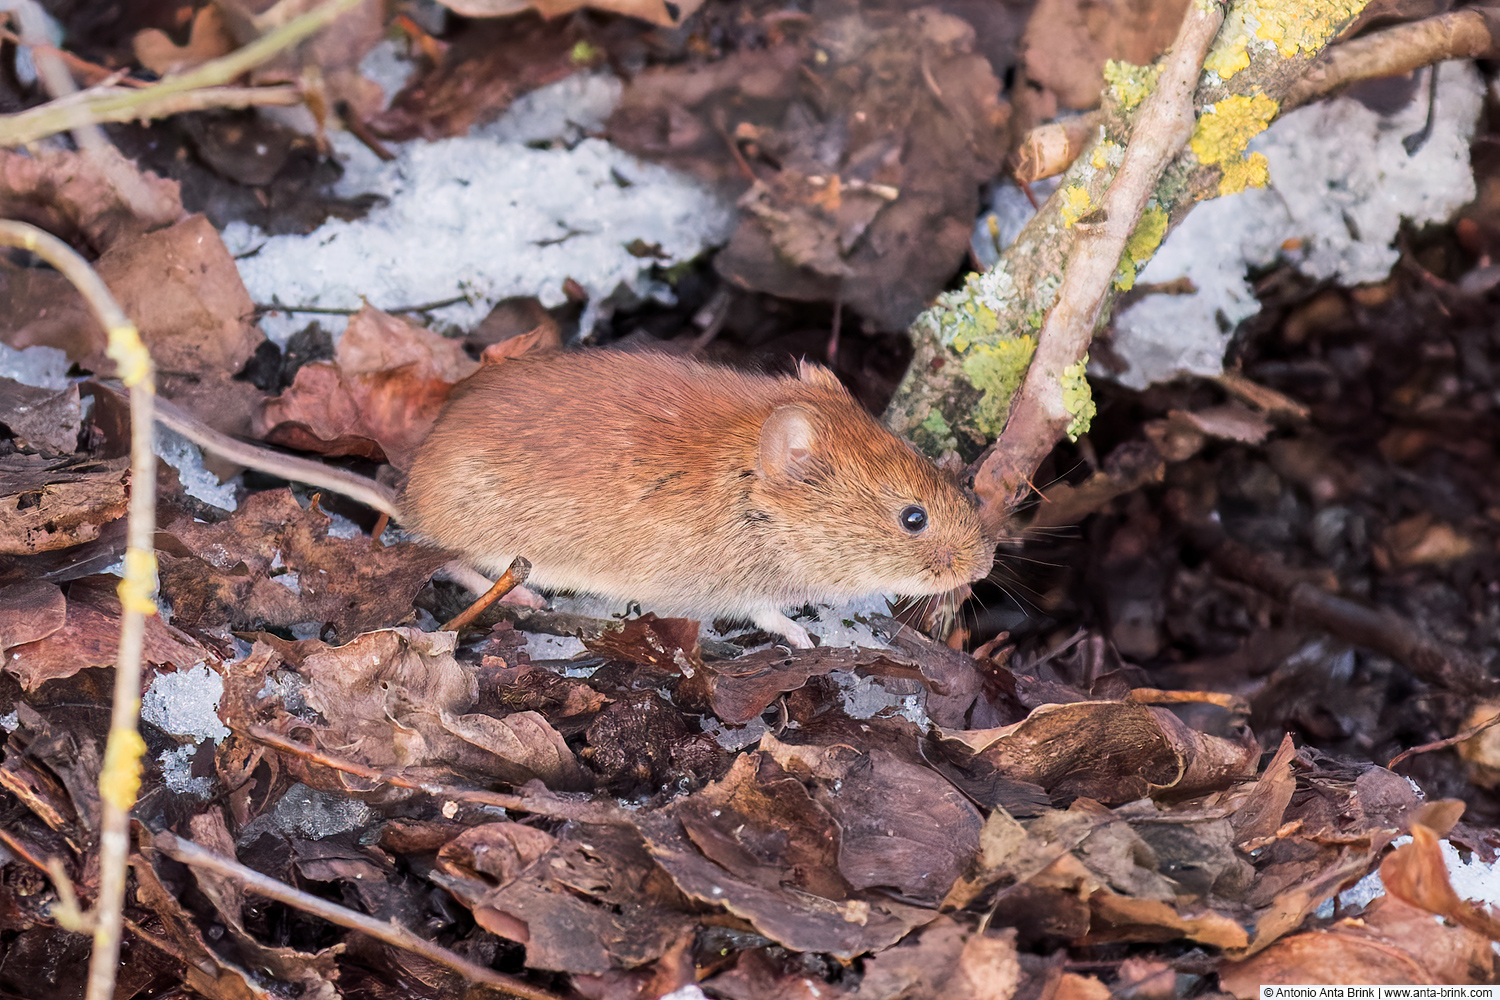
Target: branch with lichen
<point>976,346</point>
<point>120,778</point>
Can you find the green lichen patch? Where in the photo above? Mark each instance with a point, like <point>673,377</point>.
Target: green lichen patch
<point>1128,83</point>
<point>1078,399</point>
<point>997,370</point>
<point>1141,246</point>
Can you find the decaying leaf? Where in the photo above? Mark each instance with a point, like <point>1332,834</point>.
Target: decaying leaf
<point>377,398</point>
<point>47,505</point>
<point>273,563</point>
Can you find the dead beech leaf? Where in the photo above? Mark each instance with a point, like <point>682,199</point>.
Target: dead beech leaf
<point>900,828</point>
<point>1416,874</point>
<point>208,39</point>
<point>181,287</point>
<point>943,961</point>
<point>666,13</point>
<point>89,637</point>
<point>29,611</point>
<point>1068,41</point>
<point>525,739</point>
<point>1231,422</point>
<point>46,505</point>
<point>1422,540</point>
<point>377,398</point>
<point>272,562</point>
<point>41,420</point>
<point>497,852</point>
<point>594,902</point>
<point>757,844</point>
<point>1259,815</point>
<point>71,195</point>
<point>1072,986</point>
<point>865,143</point>
<point>1110,751</point>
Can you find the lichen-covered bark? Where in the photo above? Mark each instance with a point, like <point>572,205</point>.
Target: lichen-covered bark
<point>973,345</point>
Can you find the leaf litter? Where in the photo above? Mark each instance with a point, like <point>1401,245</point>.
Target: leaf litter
<point>1034,819</point>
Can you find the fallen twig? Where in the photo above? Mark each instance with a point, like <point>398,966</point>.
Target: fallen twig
<point>120,104</point>
<point>1463,34</point>
<point>515,574</point>
<point>551,806</point>
<point>1040,414</point>
<point>120,778</point>
<point>391,933</point>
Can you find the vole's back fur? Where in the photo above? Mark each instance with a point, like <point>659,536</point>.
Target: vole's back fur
<point>694,489</point>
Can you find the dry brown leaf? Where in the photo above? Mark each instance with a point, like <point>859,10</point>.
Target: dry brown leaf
<point>29,611</point>
<point>208,39</point>
<point>90,637</point>
<point>899,827</point>
<point>1422,540</point>
<point>758,845</point>
<point>1416,874</point>
<point>527,740</point>
<point>41,420</point>
<point>70,195</point>
<point>667,13</point>
<point>181,287</point>
<point>1068,41</point>
<point>592,903</point>
<point>1110,751</point>
<point>273,563</point>
<point>50,505</point>
<point>377,398</point>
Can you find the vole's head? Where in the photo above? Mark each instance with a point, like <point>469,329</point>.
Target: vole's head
<point>862,512</point>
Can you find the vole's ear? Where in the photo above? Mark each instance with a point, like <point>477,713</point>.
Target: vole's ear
<point>818,375</point>
<point>787,444</point>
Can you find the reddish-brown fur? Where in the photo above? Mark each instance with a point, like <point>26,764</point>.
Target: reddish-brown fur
<point>693,489</point>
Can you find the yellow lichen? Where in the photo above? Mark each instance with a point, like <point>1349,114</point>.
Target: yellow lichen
<point>1253,171</point>
<point>1077,398</point>
<point>120,778</point>
<point>1228,56</point>
<point>997,370</point>
<point>1221,136</point>
<point>1128,83</point>
<point>1075,204</point>
<point>1300,27</point>
<point>1141,246</point>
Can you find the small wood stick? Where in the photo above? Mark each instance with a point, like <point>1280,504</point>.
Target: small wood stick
<point>515,575</point>
<point>391,933</point>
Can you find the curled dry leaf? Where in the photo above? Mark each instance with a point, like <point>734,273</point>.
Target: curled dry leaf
<point>526,740</point>
<point>592,903</point>
<point>1416,874</point>
<point>70,195</point>
<point>944,961</point>
<point>41,420</point>
<point>377,398</point>
<point>181,287</point>
<point>208,39</point>
<point>667,13</point>
<point>1110,751</point>
<point>865,145</point>
<point>1391,942</point>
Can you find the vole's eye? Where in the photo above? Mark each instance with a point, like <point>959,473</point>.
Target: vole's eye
<point>913,519</point>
